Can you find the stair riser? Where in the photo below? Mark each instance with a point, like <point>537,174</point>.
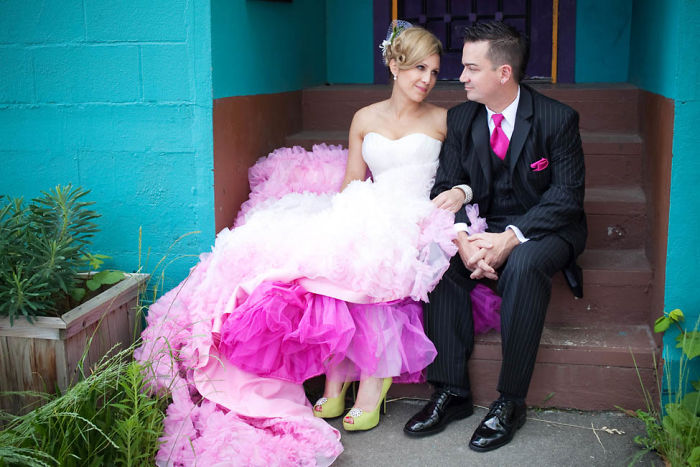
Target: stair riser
<point>616,231</point>
<point>601,303</point>
<point>583,387</point>
<point>613,170</point>
<point>613,111</point>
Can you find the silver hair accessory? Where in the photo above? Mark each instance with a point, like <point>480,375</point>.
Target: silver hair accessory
<point>395,28</point>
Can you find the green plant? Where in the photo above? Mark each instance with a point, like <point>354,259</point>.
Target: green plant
<point>674,433</point>
<point>107,418</point>
<point>41,249</point>
<point>95,279</point>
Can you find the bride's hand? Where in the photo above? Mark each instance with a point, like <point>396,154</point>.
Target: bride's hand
<point>451,200</point>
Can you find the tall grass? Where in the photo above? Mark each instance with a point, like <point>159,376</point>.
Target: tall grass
<point>108,418</point>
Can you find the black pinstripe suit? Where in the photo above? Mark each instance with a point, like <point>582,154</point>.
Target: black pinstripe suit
<point>549,212</point>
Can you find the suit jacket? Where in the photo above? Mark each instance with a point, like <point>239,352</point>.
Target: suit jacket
<point>551,199</point>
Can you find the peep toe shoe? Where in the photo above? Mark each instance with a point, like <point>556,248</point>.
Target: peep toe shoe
<point>332,407</point>
<point>359,420</point>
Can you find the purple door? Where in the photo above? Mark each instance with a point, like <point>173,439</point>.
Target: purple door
<point>448,18</point>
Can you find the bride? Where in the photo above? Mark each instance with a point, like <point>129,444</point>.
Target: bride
<point>312,283</point>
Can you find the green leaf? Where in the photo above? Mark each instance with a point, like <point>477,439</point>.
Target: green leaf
<point>676,315</point>
<point>77,293</point>
<point>690,343</point>
<point>95,260</point>
<point>694,458</point>
<point>108,277</point>
<point>691,402</point>
<point>92,284</point>
<point>696,385</point>
<point>661,324</point>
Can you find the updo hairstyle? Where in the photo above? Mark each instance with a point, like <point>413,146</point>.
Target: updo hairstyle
<point>411,46</point>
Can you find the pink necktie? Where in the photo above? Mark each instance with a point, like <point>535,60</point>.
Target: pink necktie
<point>499,140</point>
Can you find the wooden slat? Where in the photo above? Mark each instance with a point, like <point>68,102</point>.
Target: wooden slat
<point>93,310</point>
<point>43,328</point>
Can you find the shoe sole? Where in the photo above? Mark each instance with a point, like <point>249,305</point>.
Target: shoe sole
<point>491,448</point>
<point>448,419</point>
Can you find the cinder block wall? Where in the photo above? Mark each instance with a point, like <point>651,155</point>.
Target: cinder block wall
<point>115,97</point>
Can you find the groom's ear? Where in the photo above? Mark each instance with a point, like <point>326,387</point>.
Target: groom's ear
<point>506,73</point>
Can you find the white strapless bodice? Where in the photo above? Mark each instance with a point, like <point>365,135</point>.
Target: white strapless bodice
<point>408,163</point>
<point>382,238</point>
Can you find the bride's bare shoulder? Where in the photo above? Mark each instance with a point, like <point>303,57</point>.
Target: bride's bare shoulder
<point>372,110</point>
<point>437,116</point>
<point>436,111</point>
<point>367,116</point>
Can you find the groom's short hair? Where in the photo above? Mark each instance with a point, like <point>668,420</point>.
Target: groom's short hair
<point>506,44</point>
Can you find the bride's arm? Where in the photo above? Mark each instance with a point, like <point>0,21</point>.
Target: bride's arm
<point>355,169</point>
<point>452,199</point>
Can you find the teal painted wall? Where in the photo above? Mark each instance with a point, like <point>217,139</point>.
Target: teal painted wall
<point>350,42</point>
<point>684,229</point>
<point>115,97</point>
<point>655,46</point>
<point>664,60</point>
<point>602,40</point>
<point>261,47</point>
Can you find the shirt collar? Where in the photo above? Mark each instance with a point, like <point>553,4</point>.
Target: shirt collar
<point>509,112</point>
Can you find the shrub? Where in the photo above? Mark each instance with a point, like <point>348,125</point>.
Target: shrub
<point>42,245</point>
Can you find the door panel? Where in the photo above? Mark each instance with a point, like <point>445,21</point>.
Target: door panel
<point>448,18</point>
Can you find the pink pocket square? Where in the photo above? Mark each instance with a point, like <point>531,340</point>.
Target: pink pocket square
<point>540,165</point>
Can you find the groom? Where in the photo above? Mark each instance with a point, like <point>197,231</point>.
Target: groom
<point>520,154</point>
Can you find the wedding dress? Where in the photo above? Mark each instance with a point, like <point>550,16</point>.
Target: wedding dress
<point>309,281</point>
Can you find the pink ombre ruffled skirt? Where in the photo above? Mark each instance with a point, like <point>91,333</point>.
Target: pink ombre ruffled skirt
<point>283,331</point>
<point>308,282</point>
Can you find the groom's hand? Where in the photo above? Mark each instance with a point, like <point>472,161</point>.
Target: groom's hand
<point>472,256</point>
<point>495,247</point>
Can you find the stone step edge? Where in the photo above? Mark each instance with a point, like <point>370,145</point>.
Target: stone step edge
<point>616,345</point>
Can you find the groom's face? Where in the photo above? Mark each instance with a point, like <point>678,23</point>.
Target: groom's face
<point>481,79</point>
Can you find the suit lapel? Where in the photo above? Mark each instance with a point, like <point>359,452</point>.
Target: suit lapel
<point>523,122</point>
<point>480,140</point>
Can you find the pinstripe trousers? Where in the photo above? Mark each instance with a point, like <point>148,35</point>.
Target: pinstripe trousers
<point>525,285</point>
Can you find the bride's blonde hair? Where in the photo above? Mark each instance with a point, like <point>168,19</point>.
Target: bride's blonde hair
<point>411,46</point>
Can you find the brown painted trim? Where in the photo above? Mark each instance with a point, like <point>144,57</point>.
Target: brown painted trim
<point>656,127</point>
<point>245,129</point>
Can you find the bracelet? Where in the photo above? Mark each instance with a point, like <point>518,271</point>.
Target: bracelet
<point>467,190</point>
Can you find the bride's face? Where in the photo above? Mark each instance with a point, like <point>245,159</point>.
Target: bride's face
<point>418,81</point>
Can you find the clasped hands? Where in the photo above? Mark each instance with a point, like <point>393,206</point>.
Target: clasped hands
<point>481,253</point>
<point>484,253</point>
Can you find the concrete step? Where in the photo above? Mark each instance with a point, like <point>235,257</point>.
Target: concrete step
<point>616,217</point>
<point>612,159</point>
<point>602,107</point>
<point>616,290</point>
<point>593,367</point>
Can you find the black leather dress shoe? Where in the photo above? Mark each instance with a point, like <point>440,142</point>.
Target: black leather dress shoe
<point>442,408</point>
<point>499,425</point>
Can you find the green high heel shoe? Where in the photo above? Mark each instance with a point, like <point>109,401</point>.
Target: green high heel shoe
<point>331,407</point>
<point>359,420</point>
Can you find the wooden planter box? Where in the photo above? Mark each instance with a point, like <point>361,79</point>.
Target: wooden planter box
<point>44,355</point>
